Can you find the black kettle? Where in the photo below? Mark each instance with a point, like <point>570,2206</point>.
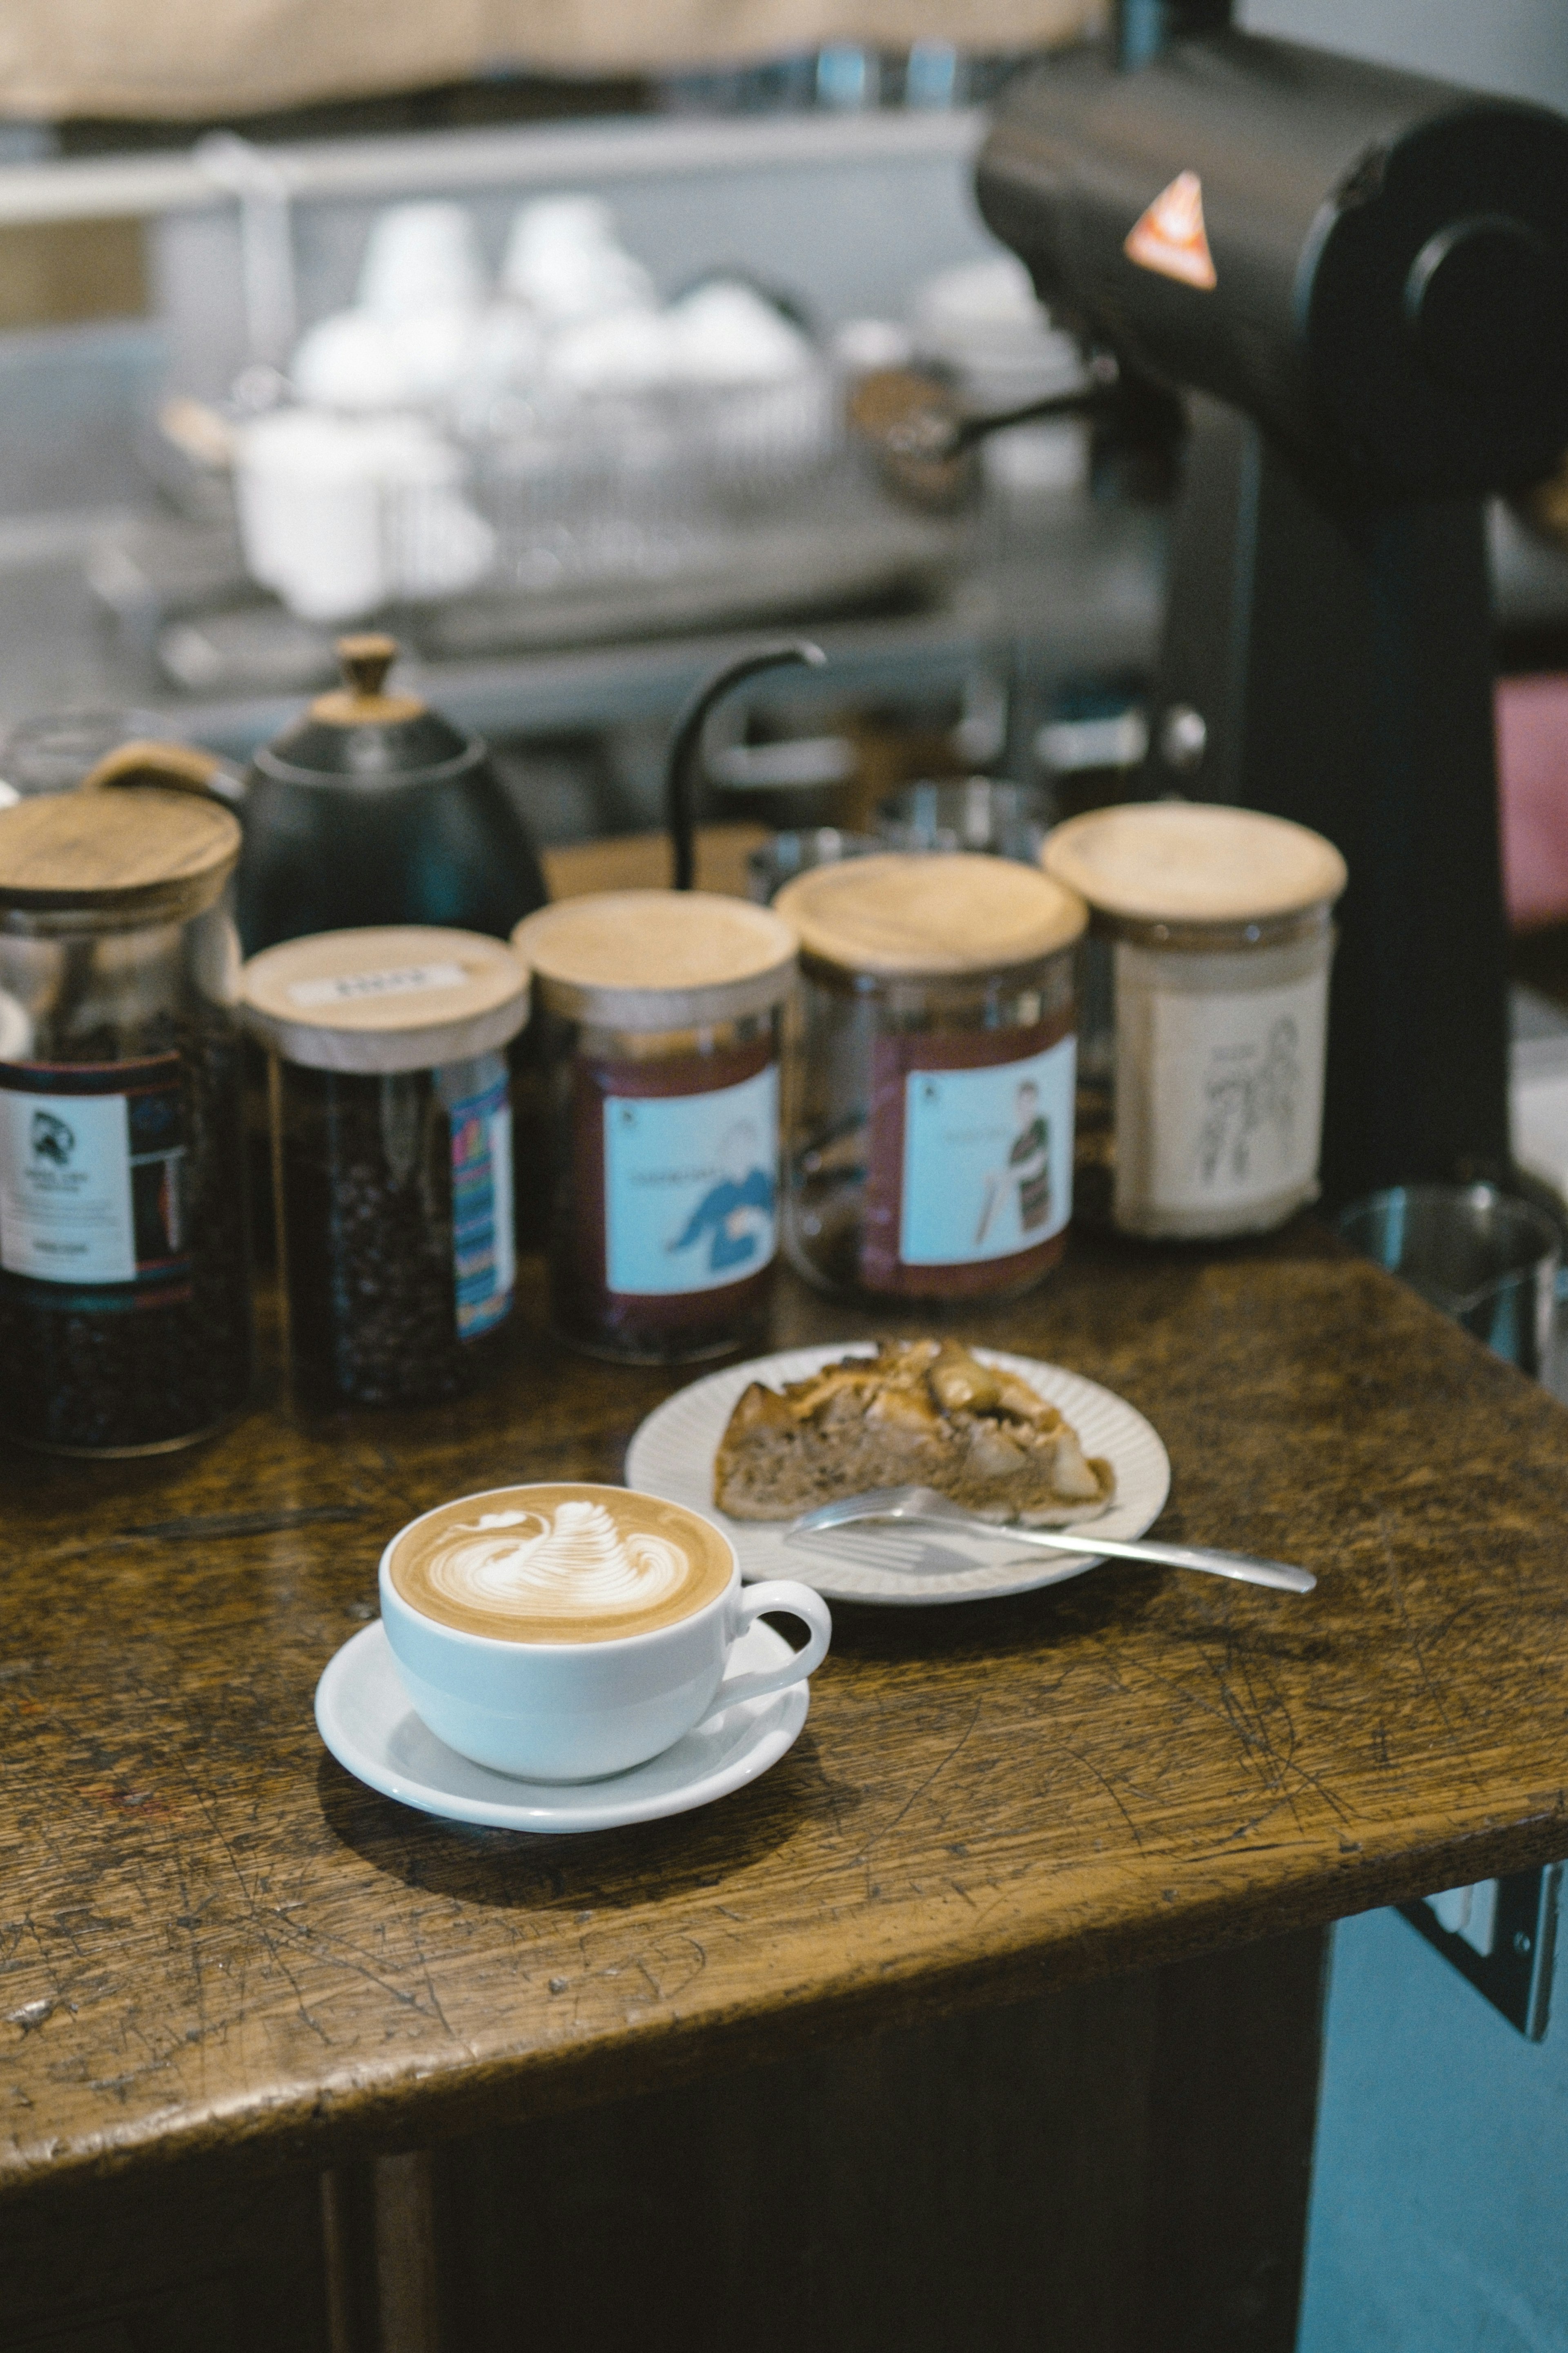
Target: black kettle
<point>371,808</point>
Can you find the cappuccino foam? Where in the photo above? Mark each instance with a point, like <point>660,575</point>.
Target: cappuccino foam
<point>559,1564</point>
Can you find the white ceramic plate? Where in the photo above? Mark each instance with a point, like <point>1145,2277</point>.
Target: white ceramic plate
<point>362,1714</point>
<point>672,1455</point>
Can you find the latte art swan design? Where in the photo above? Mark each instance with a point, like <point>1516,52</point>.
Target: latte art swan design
<point>576,1562</point>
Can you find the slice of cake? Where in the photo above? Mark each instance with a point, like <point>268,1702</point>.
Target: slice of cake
<point>918,1413</point>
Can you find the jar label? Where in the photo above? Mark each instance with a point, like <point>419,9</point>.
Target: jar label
<point>484,1263</point>
<point>92,1172</point>
<point>1219,1095</point>
<point>691,1186</point>
<point>353,987</point>
<point>987,1164</point>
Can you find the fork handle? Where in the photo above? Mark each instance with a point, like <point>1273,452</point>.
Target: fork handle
<point>1241,1566</point>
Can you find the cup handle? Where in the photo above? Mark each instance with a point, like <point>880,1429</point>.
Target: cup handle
<point>796,1601</point>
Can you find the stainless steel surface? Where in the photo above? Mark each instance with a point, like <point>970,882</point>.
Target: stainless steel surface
<point>924,1503</point>
<point>793,852</point>
<point>1183,736</point>
<point>530,155</point>
<point>972,813</point>
<point>1060,588</point>
<point>55,754</point>
<point>1078,586</point>
<point>1482,1256</point>
<point>768,197</point>
<point>1057,588</point>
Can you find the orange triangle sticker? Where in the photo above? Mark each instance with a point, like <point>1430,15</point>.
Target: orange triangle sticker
<point>1170,237</point>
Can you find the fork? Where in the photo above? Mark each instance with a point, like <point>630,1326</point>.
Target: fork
<point>924,1503</point>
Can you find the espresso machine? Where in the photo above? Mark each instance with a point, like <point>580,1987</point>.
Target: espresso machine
<point>1357,280</point>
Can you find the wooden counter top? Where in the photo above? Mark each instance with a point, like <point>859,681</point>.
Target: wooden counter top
<point>212,1937</point>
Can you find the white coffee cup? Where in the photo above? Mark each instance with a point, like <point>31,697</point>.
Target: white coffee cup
<point>552,1710</point>
<point>419,257</point>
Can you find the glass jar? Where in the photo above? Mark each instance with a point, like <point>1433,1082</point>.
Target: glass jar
<point>124,1272</point>
<point>982,813</point>
<point>929,1095</point>
<point>1205,1015</point>
<point>660,1015</point>
<point>392,1157</point>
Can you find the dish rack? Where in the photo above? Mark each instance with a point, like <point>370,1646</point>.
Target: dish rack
<point>637,486</point>
<point>341,517</point>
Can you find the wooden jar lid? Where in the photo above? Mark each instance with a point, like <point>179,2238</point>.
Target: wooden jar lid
<point>408,997</point>
<point>657,959</point>
<point>912,917</point>
<point>1191,862</point>
<point>141,857</point>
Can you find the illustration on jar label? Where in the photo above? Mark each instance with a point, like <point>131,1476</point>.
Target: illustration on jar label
<point>987,1159</point>
<point>691,1186</point>
<point>1235,1109</point>
<point>92,1173</point>
<point>484,1262</point>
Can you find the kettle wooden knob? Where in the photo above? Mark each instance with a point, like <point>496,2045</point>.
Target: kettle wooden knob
<point>365,659</point>
<point>362,700</point>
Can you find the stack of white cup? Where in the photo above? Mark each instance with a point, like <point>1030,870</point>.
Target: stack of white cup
<point>355,498</point>
<point>569,387</point>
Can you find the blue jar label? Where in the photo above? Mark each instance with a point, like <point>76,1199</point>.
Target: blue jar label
<point>691,1186</point>
<point>484,1264</point>
<point>987,1162</point>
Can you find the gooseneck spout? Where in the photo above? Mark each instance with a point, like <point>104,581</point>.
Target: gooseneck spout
<point>685,745</point>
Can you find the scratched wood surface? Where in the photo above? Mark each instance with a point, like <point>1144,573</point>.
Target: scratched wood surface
<point>212,1937</point>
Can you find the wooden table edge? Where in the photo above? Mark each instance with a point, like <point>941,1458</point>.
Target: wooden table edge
<point>418,2105</point>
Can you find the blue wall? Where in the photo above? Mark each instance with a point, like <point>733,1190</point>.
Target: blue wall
<point>1439,2218</point>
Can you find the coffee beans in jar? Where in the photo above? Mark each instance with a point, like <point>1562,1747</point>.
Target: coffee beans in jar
<point>929,1081</point>
<point>660,1016</point>
<point>124,1272</point>
<point>391,1146</point>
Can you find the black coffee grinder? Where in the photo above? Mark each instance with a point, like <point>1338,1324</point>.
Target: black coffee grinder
<point>1360,282</point>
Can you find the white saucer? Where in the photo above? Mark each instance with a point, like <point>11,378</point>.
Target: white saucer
<point>672,1455</point>
<point>362,1714</point>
